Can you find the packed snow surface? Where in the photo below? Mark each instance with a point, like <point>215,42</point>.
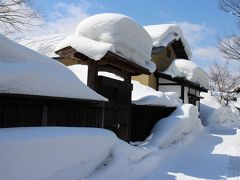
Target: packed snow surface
<point>188,70</point>
<point>24,71</point>
<point>163,34</point>
<point>117,33</point>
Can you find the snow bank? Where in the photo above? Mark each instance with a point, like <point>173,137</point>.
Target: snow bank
<point>212,112</point>
<point>187,69</point>
<point>163,34</point>
<point>144,95</point>
<point>169,130</point>
<point>23,71</point>
<point>112,32</point>
<point>237,104</point>
<point>52,152</point>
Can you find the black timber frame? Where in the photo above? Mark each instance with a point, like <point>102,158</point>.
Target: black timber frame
<point>183,83</point>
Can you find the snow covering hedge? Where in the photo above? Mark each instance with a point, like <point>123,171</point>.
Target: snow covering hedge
<point>212,112</point>
<point>117,33</point>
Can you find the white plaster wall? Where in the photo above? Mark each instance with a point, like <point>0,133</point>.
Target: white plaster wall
<point>170,88</point>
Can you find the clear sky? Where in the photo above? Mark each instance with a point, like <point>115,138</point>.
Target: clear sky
<point>201,20</point>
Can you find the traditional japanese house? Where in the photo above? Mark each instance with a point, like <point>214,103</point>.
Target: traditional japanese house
<point>169,45</point>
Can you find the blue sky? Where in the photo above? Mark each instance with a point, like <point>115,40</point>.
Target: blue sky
<point>201,21</point>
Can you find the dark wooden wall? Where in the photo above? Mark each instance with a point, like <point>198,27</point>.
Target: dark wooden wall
<point>129,122</point>
<point>24,111</point>
<point>144,118</point>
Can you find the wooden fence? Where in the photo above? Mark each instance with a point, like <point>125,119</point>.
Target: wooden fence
<point>144,118</point>
<point>28,111</point>
<point>25,110</point>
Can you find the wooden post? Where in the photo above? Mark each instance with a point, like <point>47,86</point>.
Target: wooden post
<point>92,74</point>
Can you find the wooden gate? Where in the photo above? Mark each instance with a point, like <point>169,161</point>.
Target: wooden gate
<point>117,114</point>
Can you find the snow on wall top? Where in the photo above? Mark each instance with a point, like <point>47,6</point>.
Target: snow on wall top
<point>163,34</point>
<point>189,70</point>
<point>23,71</point>
<point>117,33</point>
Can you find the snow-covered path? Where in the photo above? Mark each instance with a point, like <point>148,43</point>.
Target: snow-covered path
<point>214,154</point>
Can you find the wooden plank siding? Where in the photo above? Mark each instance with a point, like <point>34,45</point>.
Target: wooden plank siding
<point>25,111</point>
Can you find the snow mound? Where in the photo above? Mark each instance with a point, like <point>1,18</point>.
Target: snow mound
<point>212,112</point>
<point>163,34</point>
<point>24,71</point>
<point>112,32</point>
<point>169,130</point>
<point>189,70</point>
<point>237,104</point>
<point>144,95</point>
<point>53,152</point>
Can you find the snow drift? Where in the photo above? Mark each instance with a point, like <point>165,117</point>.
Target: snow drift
<point>167,131</point>
<point>189,70</point>
<point>52,152</point>
<point>117,33</point>
<point>24,71</point>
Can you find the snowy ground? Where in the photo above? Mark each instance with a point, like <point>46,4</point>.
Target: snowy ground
<point>214,154</point>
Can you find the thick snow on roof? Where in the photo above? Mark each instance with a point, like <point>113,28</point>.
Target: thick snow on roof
<point>117,33</point>
<point>23,71</point>
<point>189,70</point>
<point>163,34</point>
<point>44,44</point>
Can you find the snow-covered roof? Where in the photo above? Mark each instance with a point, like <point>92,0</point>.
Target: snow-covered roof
<point>189,70</point>
<point>163,34</point>
<point>24,71</point>
<point>117,33</point>
<point>44,44</point>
